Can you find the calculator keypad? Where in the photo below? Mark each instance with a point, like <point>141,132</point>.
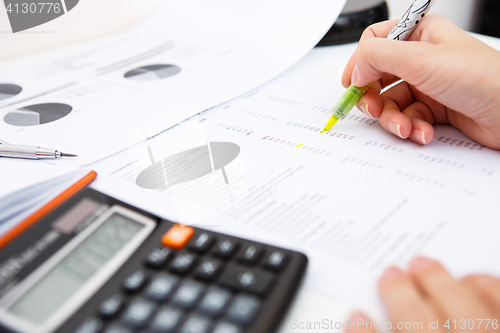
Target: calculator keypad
<point>201,282</point>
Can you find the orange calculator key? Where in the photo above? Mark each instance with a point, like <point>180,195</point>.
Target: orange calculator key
<point>177,236</point>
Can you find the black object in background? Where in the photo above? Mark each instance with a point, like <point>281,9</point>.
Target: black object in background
<point>350,25</point>
<point>489,22</point>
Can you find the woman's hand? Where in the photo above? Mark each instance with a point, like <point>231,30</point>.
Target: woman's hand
<point>427,293</point>
<point>450,78</point>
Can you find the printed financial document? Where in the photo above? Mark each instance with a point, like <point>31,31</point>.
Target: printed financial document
<point>188,57</point>
<point>355,199</point>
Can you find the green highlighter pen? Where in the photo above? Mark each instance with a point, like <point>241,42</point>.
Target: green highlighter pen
<point>403,29</point>
<point>345,104</point>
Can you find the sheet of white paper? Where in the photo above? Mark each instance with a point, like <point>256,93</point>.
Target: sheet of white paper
<point>190,56</point>
<point>355,200</point>
<point>19,174</point>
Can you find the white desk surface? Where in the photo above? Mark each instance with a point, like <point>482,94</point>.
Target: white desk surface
<point>309,306</point>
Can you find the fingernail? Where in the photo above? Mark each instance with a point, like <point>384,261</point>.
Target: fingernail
<point>421,263</point>
<point>364,108</point>
<point>419,135</point>
<point>355,76</point>
<point>395,128</point>
<point>422,135</point>
<point>392,273</point>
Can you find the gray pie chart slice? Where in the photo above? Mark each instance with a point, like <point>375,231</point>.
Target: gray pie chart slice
<point>37,114</point>
<point>152,72</point>
<point>188,165</point>
<point>9,90</point>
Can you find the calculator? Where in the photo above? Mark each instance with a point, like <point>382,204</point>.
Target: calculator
<point>96,264</point>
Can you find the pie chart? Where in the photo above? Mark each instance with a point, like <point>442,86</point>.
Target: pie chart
<point>188,165</point>
<point>34,13</point>
<point>152,72</point>
<point>37,114</point>
<point>8,90</point>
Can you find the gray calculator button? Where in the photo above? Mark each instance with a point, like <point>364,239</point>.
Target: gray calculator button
<point>183,263</point>
<point>196,324</point>
<point>90,325</point>
<point>215,301</point>
<point>250,254</point>
<point>110,306</point>
<point>276,261</point>
<point>138,313</point>
<point>188,294</point>
<point>158,257</point>
<point>226,328</point>
<point>239,277</point>
<point>225,248</point>
<point>243,309</point>
<point>161,286</point>
<point>117,329</point>
<point>134,281</point>
<point>202,243</point>
<point>166,320</point>
<point>208,269</point>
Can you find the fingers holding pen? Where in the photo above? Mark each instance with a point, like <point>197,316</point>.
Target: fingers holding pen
<point>393,120</point>
<point>380,30</point>
<point>407,124</point>
<point>400,112</point>
<point>422,131</point>
<point>371,103</point>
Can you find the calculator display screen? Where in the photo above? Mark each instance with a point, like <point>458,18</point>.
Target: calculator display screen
<point>75,269</point>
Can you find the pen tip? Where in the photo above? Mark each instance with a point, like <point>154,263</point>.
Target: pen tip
<point>68,155</point>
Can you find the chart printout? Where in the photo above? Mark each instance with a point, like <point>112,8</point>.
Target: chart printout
<point>177,63</point>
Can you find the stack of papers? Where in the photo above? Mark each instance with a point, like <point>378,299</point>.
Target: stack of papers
<point>28,185</point>
<point>188,57</point>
